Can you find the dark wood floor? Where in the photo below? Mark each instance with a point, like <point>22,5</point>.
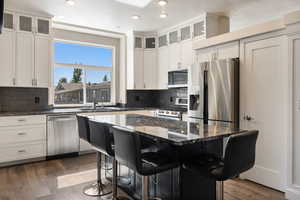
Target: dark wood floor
<point>64,180</point>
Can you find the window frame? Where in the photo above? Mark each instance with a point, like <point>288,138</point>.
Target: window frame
<point>83,67</point>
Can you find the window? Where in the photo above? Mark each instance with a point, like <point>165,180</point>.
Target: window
<point>82,74</point>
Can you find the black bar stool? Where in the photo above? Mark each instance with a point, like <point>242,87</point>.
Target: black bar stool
<point>84,133</point>
<point>239,157</point>
<point>102,140</point>
<point>128,150</point>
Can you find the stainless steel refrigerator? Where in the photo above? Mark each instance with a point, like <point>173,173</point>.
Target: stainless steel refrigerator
<point>213,89</point>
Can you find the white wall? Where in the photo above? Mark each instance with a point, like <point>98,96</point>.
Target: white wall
<point>253,12</point>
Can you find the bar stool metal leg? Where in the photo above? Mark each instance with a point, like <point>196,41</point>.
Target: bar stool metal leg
<point>220,193</point>
<point>145,189</point>
<point>99,188</point>
<point>115,183</point>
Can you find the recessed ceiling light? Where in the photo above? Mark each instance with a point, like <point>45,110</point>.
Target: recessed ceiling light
<point>70,2</point>
<point>162,2</point>
<point>136,17</point>
<point>163,15</point>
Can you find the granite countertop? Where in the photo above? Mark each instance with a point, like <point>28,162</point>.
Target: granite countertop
<point>169,130</point>
<point>62,111</point>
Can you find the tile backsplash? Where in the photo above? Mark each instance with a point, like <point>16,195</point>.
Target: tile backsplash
<point>23,99</point>
<point>155,98</point>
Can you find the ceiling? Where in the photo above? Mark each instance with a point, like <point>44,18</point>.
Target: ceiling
<point>116,16</point>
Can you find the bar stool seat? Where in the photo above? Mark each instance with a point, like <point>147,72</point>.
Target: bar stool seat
<point>128,150</point>
<point>239,157</point>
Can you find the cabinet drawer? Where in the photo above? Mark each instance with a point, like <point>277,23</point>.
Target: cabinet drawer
<point>22,134</point>
<point>23,151</point>
<point>22,120</point>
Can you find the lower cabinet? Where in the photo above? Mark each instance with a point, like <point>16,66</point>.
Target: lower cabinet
<point>22,138</point>
<point>22,151</point>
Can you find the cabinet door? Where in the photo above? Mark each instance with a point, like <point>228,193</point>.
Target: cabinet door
<point>150,69</point>
<point>7,58</point>
<point>163,65</point>
<point>25,24</point>
<point>294,139</point>
<point>174,56</point>
<point>138,69</point>
<point>42,26</point>
<point>42,61</point>
<point>25,60</point>
<point>187,53</point>
<point>263,85</point>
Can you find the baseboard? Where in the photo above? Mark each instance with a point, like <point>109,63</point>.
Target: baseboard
<point>292,194</point>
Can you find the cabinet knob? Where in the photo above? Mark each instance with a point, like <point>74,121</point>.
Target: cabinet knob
<point>22,133</point>
<point>22,151</point>
<point>248,118</point>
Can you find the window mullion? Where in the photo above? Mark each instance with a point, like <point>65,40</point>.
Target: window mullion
<point>84,86</point>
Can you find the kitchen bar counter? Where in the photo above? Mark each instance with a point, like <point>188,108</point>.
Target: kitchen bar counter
<point>168,130</point>
<point>187,140</point>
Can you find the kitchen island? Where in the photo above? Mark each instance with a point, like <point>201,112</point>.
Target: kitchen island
<point>187,140</point>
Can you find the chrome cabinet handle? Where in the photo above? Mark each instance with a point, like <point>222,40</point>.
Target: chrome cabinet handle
<point>22,151</point>
<point>22,133</point>
<point>21,120</point>
<point>14,81</point>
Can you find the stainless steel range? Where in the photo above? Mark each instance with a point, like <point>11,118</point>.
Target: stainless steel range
<point>164,113</point>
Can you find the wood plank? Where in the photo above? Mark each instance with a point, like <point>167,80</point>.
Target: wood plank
<point>40,181</point>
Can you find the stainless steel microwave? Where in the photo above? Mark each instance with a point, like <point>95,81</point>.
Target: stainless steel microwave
<point>178,78</point>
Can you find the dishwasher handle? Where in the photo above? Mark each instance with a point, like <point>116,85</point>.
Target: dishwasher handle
<point>61,118</point>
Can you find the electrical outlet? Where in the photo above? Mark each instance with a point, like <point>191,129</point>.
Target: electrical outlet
<point>37,100</point>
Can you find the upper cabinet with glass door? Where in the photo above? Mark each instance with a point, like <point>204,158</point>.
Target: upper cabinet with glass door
<point>8,21</point>
<point>43,26</point>
<point>150,42</point>
<point>199,30</point>
<point>37,25</point>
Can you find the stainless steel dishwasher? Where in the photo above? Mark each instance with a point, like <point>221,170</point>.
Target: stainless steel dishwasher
<point>62,135</point>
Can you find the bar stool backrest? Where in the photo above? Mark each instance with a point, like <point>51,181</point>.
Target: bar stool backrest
<point>101,137</point>
<point>239,154</point>
<point>83,128</point>
<point>127,148</point>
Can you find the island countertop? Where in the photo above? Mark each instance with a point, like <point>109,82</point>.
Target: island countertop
<point>169,130</point>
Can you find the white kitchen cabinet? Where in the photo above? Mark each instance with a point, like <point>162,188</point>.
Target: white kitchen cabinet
<point>43,46</point>
<point>186,53</point>
<point>293,191</point>
<point>25,46</point>
<point>263,68</point>
<point>25,59</point>
<point>22,138</point>
<point>174,57</point>
<point>138,69</point>
<point>163,64</point>
<point>150,69</point>
<point>43,26</point>
<point>7,58</point>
